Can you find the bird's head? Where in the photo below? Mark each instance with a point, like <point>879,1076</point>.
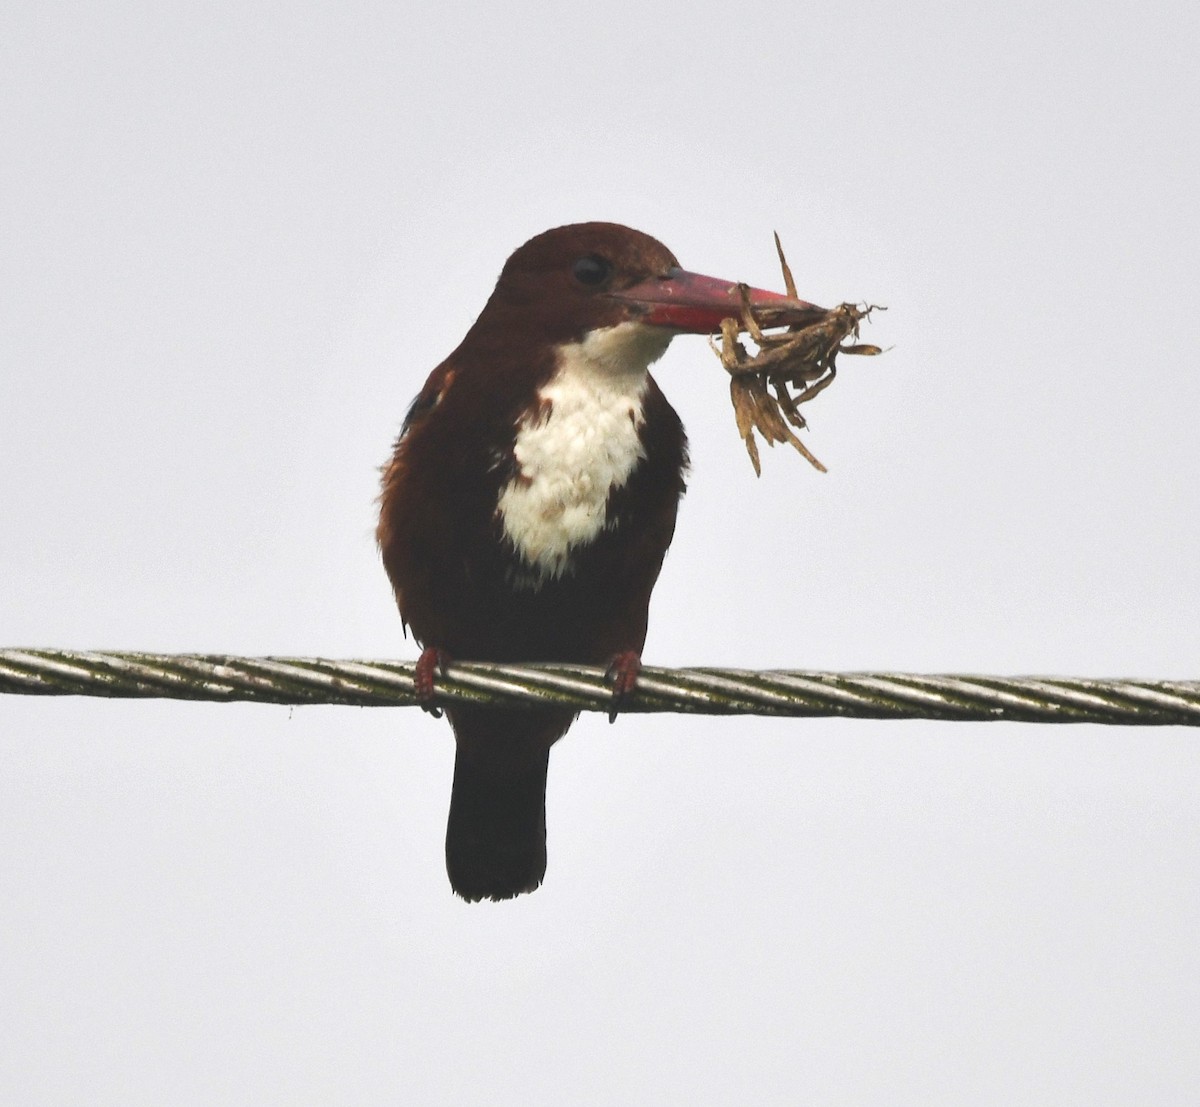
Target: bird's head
<point>591,279</point>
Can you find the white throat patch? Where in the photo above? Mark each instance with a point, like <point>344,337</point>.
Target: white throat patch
<point>580,443</point>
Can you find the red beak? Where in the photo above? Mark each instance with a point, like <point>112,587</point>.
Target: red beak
<point>695,304</point>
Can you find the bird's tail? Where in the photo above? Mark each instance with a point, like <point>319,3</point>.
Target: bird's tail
<point>496,834</point>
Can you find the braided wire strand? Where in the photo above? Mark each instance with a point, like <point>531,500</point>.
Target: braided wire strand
<point>706,691</point>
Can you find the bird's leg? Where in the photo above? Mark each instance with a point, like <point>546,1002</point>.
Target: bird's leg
<point>431,664</point>
<point>622,673</point>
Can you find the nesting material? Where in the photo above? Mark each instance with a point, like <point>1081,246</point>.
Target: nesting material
<point>789,367</point>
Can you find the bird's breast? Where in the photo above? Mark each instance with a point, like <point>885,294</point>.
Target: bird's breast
<point>578,443</point>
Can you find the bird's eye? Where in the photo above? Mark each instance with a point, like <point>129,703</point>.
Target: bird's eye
<point>592,270</point>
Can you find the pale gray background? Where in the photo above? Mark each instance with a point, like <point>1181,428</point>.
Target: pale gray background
<point>235,237</point>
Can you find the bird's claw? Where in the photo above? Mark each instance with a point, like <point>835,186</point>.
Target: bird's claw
<point>431,664</point>
<point>622,674</point>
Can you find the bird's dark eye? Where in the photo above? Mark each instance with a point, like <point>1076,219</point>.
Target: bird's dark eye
<point>592,270</point>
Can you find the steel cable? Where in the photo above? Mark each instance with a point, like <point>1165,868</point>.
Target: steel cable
<point>707,691</point>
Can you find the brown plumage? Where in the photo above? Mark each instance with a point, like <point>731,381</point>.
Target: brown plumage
<point>497,544</point>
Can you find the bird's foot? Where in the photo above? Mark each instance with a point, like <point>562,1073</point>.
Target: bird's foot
<point>431,664</point>
<point>622,674</point>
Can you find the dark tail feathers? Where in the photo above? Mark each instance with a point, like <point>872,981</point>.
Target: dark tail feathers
<point>496,837</point>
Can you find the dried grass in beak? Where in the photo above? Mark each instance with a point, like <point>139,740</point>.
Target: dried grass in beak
<point>789,367</point>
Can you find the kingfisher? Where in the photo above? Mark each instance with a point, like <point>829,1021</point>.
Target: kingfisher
<point>529,503</point>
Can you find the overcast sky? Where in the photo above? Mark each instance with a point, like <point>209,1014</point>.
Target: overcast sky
<point>236,237</point>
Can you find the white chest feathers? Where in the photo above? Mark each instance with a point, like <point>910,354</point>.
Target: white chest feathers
<point>582,441</point>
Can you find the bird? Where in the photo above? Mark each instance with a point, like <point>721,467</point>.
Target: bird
<point>529,503</point>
